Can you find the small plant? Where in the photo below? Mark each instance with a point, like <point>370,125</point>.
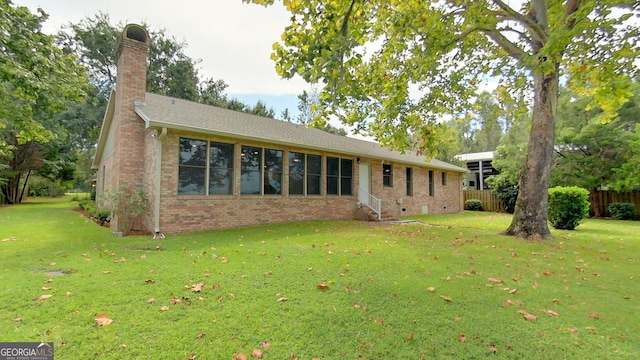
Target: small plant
<point>127,205</point>
<point>101,215</point>
<point>567,206</point>
<point>623,211</point>
<point>473,205</point>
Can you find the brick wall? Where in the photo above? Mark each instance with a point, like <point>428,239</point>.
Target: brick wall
<point>195,212</point>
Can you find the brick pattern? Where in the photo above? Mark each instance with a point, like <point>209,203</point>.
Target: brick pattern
<point>193,212</point>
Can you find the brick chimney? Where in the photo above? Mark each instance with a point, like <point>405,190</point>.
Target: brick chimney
<point>131,82</point>
<point>128,128</point>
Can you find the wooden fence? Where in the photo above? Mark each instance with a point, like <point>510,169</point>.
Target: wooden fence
<point>599,199</point>
<point>489,200</point>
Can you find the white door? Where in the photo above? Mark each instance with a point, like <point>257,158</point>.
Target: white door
<point>364,178</point>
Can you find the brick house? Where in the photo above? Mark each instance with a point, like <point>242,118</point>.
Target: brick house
<point>205,167</point>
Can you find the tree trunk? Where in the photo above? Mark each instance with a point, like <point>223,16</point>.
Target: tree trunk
<point>530,216</point>
<point>595,203</point>
<point>24,186</point>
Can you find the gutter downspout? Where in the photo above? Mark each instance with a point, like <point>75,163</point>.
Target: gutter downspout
<point>158,187</point>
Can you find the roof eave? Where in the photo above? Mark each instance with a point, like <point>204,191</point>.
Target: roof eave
<point>104,130</point>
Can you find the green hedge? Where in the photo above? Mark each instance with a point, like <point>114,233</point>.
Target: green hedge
<point>623,211</point>
<point>567,206</point>
<point>473,204</point>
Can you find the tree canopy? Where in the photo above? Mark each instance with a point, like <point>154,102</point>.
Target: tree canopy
<point>393,67</point>
<point>37,80</point>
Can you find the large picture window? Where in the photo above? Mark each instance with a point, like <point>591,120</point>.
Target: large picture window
<point>192,167</point>
<point>205,168</point>
<point>261,171</point>
<point>339,176</point>
<point>272,171</point>
<point>220,169</point>
<point>314,173</point>
<point>251,170</point>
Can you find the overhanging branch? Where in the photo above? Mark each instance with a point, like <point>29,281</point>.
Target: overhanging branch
<point>536,30</point>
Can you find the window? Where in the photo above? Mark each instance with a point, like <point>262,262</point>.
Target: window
<point>251,170</point>
<point>220,169</point>
<point>346,176</point>
<point>199,176</point>
<point>272,171</point>
<point>304,169</point>
<point>387,175</point>
<point>261,171</point>
<point>431,184</point>
<point>409,181</point>
<point>444,178</point>
<point>296,173</point>
<point>192,167</point>
<point>339,176</point>
<point>314,171</point>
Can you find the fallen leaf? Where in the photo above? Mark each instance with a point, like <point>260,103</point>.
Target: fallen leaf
<point>197,287</point>
<point>103,319</point>
<point>240,356</point>
<point>462,338</point>
<point>379,321</point>
<point>294,357</point>
<point>143,256</point>
<point>528,316</point>
<point>594,316</point>
<point>552,313</point>
<point>68,293</point>
<point>322,287</point>
<point>446,298</point>
<point>266,345</point>
<point>493,348</point>
<point>556,301</point>
<point>507,303</point>
<point>16,319</point>
<point>356,305</point>
<point>590,329</point>
<point>124,346</point>
<point>257,353</point>
<point>513,291</point>
<point>431,288</point>
<point>410,336</point>
<point>48,281</point>
<point>547,273</point>
<point>494,280</point>
<point>149,281</point>
<point>176,301</point>
<point>46,288</point>
<point>52,264</point>
<point>282,299</point>
<point>106,272</point>
<point>151,300</point>
<point>164,308</point>
<point>200,336</point>
<point>44,297</point>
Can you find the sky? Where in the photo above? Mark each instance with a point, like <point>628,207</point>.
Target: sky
<point>232,39</point>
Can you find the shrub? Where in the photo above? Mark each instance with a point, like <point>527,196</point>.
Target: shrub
<point>506,190</point>
<point>623,211</point>
<point>567,206</point>
<point>101,215</point>
<point>127,204</point>
<point>473,204</point>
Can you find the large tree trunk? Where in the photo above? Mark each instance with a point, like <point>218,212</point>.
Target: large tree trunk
<point>530,216</point>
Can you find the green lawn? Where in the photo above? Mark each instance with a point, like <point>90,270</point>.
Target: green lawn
<point>450,287</point>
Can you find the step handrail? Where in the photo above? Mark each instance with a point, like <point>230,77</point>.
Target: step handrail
<point>370,201</point>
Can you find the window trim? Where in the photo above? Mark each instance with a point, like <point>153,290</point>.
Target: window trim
<point>387,179</point>
<point>431,183</point>
<point>339,178</point>
<point>409,181</point>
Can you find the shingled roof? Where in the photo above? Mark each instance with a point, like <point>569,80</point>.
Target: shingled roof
<point>172,113</point>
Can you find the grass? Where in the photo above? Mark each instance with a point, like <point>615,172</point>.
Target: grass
<point>378,304</point>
